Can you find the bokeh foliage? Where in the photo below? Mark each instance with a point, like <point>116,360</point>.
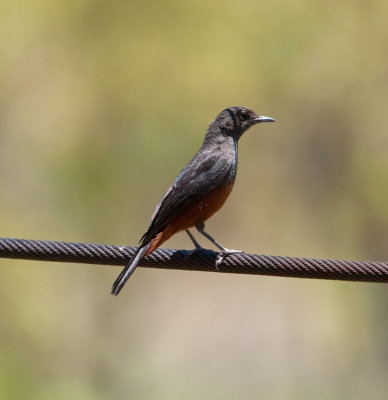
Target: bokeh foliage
<point>101,105</point>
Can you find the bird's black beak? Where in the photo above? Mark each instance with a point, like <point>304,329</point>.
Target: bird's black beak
<point>261,118</point>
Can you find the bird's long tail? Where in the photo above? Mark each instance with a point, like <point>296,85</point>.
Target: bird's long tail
<point>129,268</point>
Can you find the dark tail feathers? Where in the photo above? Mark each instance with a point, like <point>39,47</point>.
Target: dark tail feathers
<point>128,270</point>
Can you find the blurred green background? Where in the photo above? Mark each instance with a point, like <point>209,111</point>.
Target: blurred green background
<point>101,105</point>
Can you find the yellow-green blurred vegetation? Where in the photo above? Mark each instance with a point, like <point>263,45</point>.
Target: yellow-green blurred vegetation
<point>101,105</point>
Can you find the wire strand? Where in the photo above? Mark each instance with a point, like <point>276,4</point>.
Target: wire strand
<point>241,263</point>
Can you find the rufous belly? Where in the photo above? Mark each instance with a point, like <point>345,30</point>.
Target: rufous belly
<point>193,215</point>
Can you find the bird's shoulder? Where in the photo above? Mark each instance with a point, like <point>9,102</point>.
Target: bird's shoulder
<point>206,166</point>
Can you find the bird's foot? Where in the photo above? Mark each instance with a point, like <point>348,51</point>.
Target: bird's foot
<point>224,254</point>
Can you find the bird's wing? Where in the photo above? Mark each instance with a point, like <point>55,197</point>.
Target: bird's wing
<point>205,172</point>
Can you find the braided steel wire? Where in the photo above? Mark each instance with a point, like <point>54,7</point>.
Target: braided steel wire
<point>365,271</point>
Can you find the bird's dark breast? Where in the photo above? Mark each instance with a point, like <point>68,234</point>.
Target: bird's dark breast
<point>194,214</point>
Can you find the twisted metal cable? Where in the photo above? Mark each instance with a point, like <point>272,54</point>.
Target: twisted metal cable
<point>366,271</point>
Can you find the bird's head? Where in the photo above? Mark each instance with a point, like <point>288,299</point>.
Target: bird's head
<point>234,121</point>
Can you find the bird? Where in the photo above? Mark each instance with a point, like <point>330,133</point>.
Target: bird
<point>199,190</point>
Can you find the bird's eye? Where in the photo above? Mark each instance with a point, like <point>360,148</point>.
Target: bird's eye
<point>243,115</point>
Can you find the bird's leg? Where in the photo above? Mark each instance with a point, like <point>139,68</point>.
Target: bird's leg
<point>224,251</point>
<point>196,244</point>
<point>198,247</point>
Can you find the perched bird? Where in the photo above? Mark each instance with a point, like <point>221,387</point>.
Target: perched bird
<point>199,190</point>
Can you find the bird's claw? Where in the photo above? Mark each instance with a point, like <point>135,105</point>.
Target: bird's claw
<point>224,254</point>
